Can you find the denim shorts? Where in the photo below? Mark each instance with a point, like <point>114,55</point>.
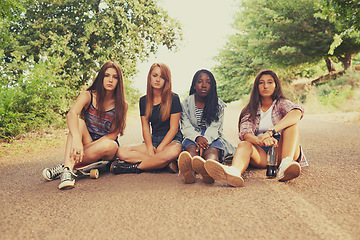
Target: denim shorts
<point>156,140</point>
<point>95,137</point>
<point>215,144</point>
<point>266,149</point>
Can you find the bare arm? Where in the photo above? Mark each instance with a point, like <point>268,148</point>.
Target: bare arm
<point>147,136</point>
<point>267,139</point>
<point>261,140</point>
<point>290,119</point>
<point>174,127</point>
<point>250,137</point>
<point>72,121</point>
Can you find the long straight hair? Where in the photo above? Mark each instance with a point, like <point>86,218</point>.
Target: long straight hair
<point>166,95</point>
<point>119,96</point>
<point>255,98</point>
<point>211,109</point>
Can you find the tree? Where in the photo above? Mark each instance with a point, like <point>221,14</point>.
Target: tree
<point>8,8</point>
<point>288,33</point>
<point>94,31</point>
<point>53,48</point>
<point>345,15</point>
<point>235,69</point>
<point>277,34</point>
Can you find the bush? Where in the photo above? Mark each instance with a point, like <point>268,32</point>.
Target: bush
<point>36,101</point>
<point>338,95</point>
<point>39,98</point>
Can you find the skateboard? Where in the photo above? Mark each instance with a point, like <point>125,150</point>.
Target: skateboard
<point>93,169</point>
<point>228,160</point>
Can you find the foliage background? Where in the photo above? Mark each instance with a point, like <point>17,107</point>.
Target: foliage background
<point>296,39</point>
<point>51,50</point>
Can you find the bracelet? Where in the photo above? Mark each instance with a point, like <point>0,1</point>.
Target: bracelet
<point>272,131</point>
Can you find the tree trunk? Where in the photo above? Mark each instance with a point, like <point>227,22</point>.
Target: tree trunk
<point>346,61</point>
<point>330,65</point>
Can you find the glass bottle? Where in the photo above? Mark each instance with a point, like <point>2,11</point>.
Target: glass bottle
<point>271,163</point>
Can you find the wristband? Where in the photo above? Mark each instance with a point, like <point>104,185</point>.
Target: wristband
<point>272,131</point>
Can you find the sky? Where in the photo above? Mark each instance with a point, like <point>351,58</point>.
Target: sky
<point>205,25</point>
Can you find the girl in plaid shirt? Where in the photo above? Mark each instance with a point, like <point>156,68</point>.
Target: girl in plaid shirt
<point>268,112</point>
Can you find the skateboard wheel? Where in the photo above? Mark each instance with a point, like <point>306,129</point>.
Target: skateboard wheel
<point>94,173</point>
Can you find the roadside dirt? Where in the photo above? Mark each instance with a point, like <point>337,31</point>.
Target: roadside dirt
<point>323,203</point>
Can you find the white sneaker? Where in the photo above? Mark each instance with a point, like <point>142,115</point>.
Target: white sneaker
<point>185,167</point>
<point>53,173</point>
<point>67,179</point>
<point>198,166</point>
<point>228,174</point>
<point>288,169</point>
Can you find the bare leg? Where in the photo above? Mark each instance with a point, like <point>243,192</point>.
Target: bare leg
<point>67,161</point>
<point>289,143</point>
<point>228,174</point>
<point>104,149</point>
<point>198,163</point>
<point>247,153</point>
<point>192,150</point>
<point>93,150</point>
<point>211,153</point>
<point>161,159</point>
<point>86,138</point>
<point>133,153</point>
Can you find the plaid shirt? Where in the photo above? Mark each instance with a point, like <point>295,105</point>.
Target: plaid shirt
<point>281,107</point>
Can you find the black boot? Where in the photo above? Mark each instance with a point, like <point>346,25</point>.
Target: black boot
<point>118,167</point>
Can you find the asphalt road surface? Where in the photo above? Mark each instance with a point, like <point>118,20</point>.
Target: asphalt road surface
<point>323,203</point>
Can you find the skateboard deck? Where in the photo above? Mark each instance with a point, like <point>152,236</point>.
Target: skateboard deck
<point>93,169</point>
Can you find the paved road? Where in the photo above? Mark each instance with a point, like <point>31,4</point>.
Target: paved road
<point>323,203</point>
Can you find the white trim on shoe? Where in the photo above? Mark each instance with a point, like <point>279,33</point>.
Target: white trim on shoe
<point>227,174</point>
<point>185,167</point>
<point>288,169</point>
<point>198,166</point>
<point>53,173</point>
<point>67,179</point>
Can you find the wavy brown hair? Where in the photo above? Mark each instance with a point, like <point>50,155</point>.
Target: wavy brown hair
<point>166,95</point>
<point>121,105</point>
<point>255,98</point>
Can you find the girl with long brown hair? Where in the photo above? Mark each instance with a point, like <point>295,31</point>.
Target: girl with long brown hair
<point>160,111</point>
<point>94,121</point>
<point>267,114</point>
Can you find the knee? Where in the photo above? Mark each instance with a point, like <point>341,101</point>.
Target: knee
<point>177,150</point>
<point>192,150</point>
<point>211,153</point>
<point>244,145</point>
<point>108,146</point>
<point>173,151</point>
<point>293,127</point>
<point>122,151</point>
<point>211,150</point>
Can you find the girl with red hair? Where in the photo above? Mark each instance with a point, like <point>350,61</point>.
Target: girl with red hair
<point>160,111</point>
